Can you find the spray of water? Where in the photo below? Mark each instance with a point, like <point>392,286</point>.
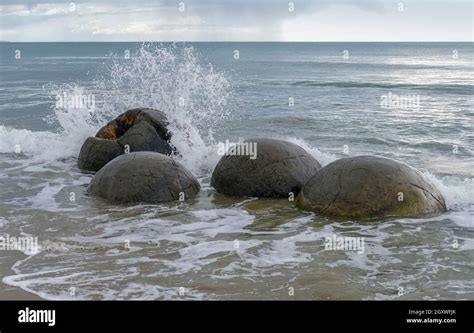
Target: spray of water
<point>170,78</point>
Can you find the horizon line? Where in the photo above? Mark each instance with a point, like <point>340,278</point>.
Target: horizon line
<point>246,41</point>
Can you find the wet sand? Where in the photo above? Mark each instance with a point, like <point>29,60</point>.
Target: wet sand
<point>7,260</point>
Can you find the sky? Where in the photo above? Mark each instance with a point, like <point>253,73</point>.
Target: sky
<point>236,20</point>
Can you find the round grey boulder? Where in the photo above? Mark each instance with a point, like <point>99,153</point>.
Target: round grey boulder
<point>274,170</point>
<point>370,187</point>
<point>96,152</point>
<point>143,137</point>
<point>141,129</point>
<point>143,177</point>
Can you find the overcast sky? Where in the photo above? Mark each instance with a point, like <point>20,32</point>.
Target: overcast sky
<point>236,20</point>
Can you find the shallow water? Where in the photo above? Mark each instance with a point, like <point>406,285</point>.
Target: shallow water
<point>215,247</point>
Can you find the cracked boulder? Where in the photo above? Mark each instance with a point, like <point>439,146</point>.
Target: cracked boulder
<point>96,152</point>
<point>146,177</point>
<point>275,169</point>
<point>370,187</point>
<point>135,130</point>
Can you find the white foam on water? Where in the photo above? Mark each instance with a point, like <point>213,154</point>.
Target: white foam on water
<point>40,143</point>
<point>145,291</point>
<point>205,225</point>
<point>459,193</point>
<point>27,282</point>
<point>75,124</point>
<point>459,196</point>
<point>46,198</point>
<point>283,252</point>
<point>66,278</point>
<point>321,157</point>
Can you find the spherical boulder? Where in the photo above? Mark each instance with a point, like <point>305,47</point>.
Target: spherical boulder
<point>370,187</point>
<point>274,170</point>
<point>141,129</point>
<point>96,152</point>
<point>143,177</point>
<point>143,137</point>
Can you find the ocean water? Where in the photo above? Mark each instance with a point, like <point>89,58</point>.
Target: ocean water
<point>324,96</point>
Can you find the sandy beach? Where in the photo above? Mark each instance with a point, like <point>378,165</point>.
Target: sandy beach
<point>7,259</point>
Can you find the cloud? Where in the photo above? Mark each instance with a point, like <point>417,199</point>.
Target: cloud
<point>230,20</point>
<point>36,10</point>
<point>149,25</point>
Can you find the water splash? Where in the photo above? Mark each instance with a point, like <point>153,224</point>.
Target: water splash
<point>458,192</point>
<point>321,157</point>
<point>170,78</point>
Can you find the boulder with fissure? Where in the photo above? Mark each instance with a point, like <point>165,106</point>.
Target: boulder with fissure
<point>141,129</point>
<point>370,187</point>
